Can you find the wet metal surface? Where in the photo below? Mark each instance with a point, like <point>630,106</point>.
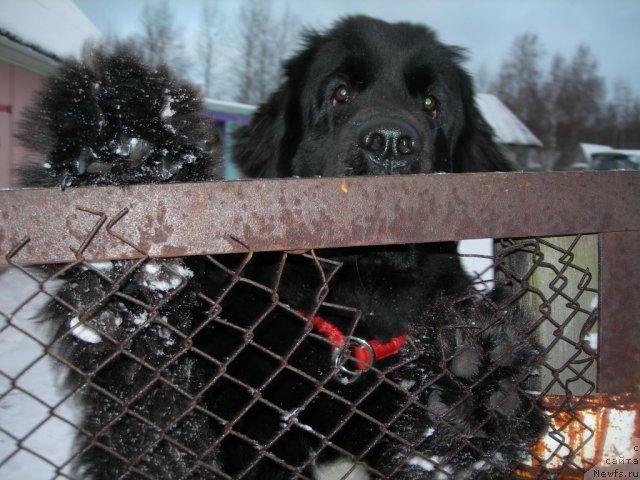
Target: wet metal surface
<point>224,217</point>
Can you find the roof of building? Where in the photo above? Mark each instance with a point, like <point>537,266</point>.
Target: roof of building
<point>508,128</point>
<point>225,111</point>
<point>36,34</point>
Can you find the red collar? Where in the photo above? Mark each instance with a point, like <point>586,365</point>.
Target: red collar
<point>365,352</point>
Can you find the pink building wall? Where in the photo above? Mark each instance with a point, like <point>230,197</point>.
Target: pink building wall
<point>17,87</point>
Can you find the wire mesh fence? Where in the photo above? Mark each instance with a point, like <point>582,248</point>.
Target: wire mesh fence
<point>228,366</point>
<point>215,376</point>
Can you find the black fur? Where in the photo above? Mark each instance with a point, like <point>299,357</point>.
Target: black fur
<point>111,120</point>
<point>451,404</point>
<point>390,68</point>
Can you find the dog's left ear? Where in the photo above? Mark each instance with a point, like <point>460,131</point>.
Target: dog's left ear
<point>264,148</point>
<point>476,149</point>
<point>257,146</point>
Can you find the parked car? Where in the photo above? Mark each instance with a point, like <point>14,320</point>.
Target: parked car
<point>613,161</point>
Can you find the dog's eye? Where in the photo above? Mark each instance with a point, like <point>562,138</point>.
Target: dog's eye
<point>430,105</point>
<point>340,95</point>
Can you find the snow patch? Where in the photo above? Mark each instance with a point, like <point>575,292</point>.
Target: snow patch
<point>428,465</point>
<point>342,468</point>
<point>140,319</point>
<point>163,285</point>
<point>432,464</point>
<point>305,427</point>
<point>152,268</point>
<point>83,332</point>
<point>165,334</point>
<point>53,440</point>
<point>477,261</point>
<point>407,384</point>
<point>102,266</point>
<point>184,271</point>
<point>189,158</point>
<point>161,279</point>
<point>167,111</point>
<point>60,27</point>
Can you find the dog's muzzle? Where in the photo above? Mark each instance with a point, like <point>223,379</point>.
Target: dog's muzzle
<point>389,145</point>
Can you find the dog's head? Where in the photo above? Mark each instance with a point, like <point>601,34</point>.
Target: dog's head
<point>366,98</point>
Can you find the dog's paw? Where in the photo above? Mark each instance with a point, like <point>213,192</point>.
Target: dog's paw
<point>111,120</point>
<point>481,414</point>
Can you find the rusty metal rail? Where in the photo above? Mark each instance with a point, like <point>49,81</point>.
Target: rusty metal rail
<point>205,218</point>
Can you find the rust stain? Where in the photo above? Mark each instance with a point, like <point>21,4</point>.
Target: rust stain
<point>572,416</point>
<point>623,401</point>
<point>602,427</point>
<point>343,186</point>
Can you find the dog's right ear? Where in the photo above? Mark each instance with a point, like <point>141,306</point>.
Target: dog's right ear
<point>259,146</point>
<point>266,146</point>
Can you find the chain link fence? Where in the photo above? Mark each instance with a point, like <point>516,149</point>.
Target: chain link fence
<point>157,352</point>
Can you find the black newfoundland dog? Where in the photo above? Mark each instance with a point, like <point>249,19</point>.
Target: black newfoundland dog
<point>377,362</point>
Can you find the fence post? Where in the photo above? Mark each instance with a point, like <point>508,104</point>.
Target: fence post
<point>562,278</point>
<point>619,339</point>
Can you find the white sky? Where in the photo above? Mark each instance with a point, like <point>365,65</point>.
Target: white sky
<point>611,28</point>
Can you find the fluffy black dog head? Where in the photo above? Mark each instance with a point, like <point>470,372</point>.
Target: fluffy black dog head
<point>110,119</point>
<point>368,97</point>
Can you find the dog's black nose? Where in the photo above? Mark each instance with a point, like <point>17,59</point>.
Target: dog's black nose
<point>389,145</point>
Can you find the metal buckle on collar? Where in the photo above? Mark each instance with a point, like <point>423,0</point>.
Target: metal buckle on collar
<point>344,354</point>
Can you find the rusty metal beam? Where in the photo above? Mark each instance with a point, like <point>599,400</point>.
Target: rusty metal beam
<point>205,218</point>
<point>618,345</point>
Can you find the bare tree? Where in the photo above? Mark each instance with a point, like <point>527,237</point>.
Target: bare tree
<point>619,122</point>
<point>160,41</point>
<point>210,32</point>
<point>631,129</point>
<point>481,78</point>
<point>264,40</point>
<point>520,81</point>
<point>552,90</point>
<point>577,97</point>
<point>568,104</point>
<point>621,113</point>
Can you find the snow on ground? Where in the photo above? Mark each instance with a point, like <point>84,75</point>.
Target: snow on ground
<point>30,409</point>
<point>478,263</point>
